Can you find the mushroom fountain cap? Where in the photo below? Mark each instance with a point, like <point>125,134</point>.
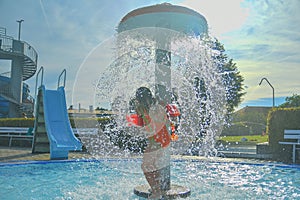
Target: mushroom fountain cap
<point>165,15</point>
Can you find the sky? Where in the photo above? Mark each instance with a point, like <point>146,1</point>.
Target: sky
<point>262,37</point>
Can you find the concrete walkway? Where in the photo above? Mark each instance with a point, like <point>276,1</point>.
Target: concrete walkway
<point>10,154</point>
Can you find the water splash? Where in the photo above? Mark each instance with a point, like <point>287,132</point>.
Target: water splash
<point>116,68</point>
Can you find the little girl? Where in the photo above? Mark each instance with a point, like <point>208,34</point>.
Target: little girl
<point>156,158</point>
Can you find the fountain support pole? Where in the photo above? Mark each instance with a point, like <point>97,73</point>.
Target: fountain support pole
<point>163,91</point>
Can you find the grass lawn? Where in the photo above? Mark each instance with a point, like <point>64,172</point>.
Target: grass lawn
<point>243,140</point>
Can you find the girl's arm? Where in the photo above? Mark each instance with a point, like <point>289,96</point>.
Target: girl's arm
<point>158,119</point>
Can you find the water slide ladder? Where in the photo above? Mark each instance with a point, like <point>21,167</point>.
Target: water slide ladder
<point>52,129</point>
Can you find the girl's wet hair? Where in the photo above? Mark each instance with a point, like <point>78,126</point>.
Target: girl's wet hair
<point>144,97</point>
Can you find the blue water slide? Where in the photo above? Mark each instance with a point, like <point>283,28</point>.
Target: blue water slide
<point>58,127</point>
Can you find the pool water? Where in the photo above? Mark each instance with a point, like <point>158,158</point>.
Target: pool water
<point>115,179</point>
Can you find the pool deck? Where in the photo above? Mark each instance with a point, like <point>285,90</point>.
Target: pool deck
<point>14,154</point>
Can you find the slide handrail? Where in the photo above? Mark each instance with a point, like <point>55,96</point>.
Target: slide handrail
<point>41,70</point>
<point>64,72</point>
<point>37,77</point>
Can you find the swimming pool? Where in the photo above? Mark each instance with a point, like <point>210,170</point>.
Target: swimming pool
<point>115,179</point>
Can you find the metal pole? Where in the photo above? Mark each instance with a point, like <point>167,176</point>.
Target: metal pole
<point>271,87</point>
<point>20,22</point>
<point>162,91</point>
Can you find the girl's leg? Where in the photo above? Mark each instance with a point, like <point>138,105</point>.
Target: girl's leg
<point>152,174</point>
<point>153,179</point>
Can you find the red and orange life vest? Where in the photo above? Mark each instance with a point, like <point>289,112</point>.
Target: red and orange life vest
<point>162,136</point>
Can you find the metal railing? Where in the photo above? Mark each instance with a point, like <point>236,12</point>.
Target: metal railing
<point>2,31</point>
<point>6,74</point>
<point>64,72</point>
<point>41,70</point>
<point>6,91</point>
<point>7,45</point>
<point>30,52</point>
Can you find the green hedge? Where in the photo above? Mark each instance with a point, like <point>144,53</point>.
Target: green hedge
<point>243,128</point>
<point>16,122</point>
<point>280,119</point>
<point>78,122</point>
<point>89,122</point>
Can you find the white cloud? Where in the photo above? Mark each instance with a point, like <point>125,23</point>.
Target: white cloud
<point>283,78</point>
<point>267,45</point>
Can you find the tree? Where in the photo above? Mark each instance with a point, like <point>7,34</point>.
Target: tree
<point>101,109</point>
<point>293,101</point>
<point>232,79</point>
<point>233,82</point>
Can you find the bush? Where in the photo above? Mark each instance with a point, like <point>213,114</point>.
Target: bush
<point>17,122</point>
<point>89,122</point>
<point>280,119</point>
<point>235,130</point>
<point>80,122</point>
<point>250,120</point>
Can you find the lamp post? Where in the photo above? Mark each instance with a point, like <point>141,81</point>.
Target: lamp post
<point>271,87</point>
<point>20,22</point>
